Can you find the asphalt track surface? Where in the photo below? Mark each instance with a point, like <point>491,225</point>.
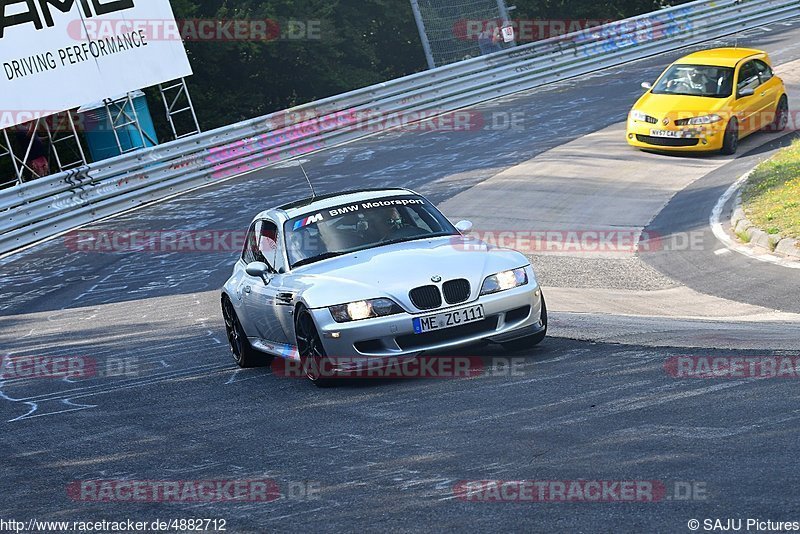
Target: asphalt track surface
<point>385,455</point>
<point>733,276</point>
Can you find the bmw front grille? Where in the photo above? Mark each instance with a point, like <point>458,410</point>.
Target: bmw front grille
<point>456,291</point>
<point>426,297</point>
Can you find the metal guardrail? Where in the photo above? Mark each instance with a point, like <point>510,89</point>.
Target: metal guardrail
<point>49,206</point>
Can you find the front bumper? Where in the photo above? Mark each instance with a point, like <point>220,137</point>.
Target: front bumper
<point>700,138</point>
<point>508,315</point>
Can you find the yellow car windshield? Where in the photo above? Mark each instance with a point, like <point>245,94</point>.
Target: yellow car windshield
<point>696,80</point>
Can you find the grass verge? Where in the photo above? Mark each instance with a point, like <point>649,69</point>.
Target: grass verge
<point>771,197</point>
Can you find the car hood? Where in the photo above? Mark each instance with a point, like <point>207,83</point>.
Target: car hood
<point>393,270</point>
<point>660,106</point>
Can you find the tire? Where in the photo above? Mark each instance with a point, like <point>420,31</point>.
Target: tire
<point>243,353</point>
<point>781,116</point>
<point>529,341</point>
<point>730,142</point>
<point>309,345</point>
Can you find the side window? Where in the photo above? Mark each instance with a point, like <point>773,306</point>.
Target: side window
<point>764,72</point>
<point>267,246</point>
<point>748,77</point>
<point>251,243</point>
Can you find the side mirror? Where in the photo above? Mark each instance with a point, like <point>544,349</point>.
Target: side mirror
<point>647,85</point>
<point>464,226</point>
<point>258,269</point>
<point>748,91</point>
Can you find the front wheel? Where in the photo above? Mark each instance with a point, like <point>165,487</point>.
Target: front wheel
<point>243,353</point>
<point>730,142</point>
<point>530,341</point>
<point>315,362</point>
<point>781,116</point>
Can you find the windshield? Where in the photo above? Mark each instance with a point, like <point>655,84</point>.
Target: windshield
<point>696,80</point>
<point>362,225</point>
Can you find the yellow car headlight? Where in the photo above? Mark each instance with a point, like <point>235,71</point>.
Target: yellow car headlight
<point>705,119</point>
<point>638,115</point>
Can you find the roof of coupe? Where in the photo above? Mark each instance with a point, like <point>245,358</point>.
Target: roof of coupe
<point>321,202</point>
<point>720,57</point>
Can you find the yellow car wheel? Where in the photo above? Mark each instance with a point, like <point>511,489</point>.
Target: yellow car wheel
<point>731,140</point>
<point>781,116</point>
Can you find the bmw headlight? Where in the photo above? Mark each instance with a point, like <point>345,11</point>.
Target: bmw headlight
<point>504,281</point>
<point>364,309</point>
<point>638,115</point>
<point>705,119</point>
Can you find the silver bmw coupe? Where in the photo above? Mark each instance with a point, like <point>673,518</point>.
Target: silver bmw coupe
<point>373,274</point>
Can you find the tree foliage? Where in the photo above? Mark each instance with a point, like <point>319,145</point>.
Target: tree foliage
<point>361,42</point>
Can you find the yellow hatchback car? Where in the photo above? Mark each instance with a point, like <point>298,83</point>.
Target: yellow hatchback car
<point>709,100</point>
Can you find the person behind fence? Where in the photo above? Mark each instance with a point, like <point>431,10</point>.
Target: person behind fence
<point>27,141</point>
<point>489,41</point>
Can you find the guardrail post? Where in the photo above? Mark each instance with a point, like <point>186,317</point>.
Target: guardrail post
<point>426,45</point>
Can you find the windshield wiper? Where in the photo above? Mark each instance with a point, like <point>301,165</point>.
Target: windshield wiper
<point>674,93</point>
<point>313,259</point>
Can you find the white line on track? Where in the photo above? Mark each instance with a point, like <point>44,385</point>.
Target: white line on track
<point>67,396</point>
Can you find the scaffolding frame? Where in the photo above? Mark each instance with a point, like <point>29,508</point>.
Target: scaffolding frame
<point>181,97</point>
<point>35,129</point>
<point>122,115</point>
<point>69,136</point>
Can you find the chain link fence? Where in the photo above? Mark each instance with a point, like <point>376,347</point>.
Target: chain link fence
<point>454,30</point>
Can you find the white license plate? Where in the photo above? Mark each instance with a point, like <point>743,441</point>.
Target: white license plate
<point>448,319</point>
<point>674,134</point>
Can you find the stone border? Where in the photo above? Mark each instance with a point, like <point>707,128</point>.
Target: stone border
<point>771,243</point>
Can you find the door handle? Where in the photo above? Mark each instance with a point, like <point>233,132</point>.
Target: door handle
<point>764,93</point>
